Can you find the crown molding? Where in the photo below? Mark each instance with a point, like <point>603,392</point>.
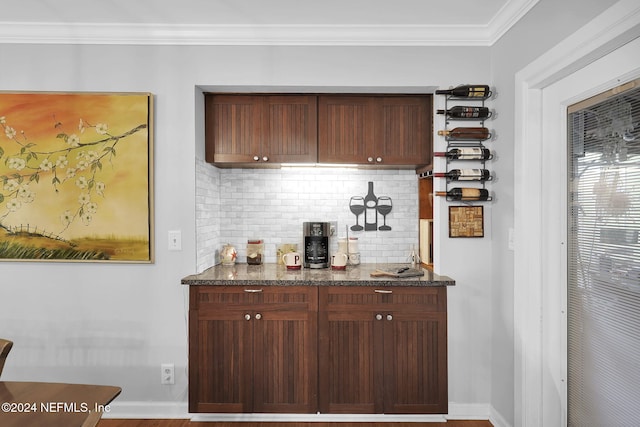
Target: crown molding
<point>192,34</point>
<point>507,17</point>
<point>240,34</point>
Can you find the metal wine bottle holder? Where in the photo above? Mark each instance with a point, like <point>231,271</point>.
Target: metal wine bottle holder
<point>453,142</point>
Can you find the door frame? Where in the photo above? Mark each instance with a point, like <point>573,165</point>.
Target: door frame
<point>539,380</point>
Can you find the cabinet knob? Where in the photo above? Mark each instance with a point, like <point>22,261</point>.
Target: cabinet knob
<point>379,159</point>
<point>247,317</point>
<point>258,316</point>
<point>378,316</point>
<point>265,159</point>
<point>389,317</point>
<point>256,158</point>
<point>370,159</point>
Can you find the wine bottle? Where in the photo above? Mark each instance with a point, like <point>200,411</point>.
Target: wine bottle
<point>465,175</point>
<point>467,91</point>
<point>466,153</point>
<point>466,112</point>
<point>474,133</point>
<point>370,213</point>
<point>465,194</point>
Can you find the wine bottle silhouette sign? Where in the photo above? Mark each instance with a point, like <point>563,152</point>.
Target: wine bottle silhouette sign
<point>371,206</point>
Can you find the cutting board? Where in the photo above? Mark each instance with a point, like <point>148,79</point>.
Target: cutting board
<point>411,272</point>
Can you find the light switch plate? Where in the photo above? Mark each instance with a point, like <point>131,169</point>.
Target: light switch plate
<point>175,240</point>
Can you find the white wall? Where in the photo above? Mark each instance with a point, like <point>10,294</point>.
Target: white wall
<point>113,323</point>
<point>547,24</point>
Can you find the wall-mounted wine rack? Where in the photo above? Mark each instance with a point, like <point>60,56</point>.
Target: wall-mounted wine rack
<point>466,143</point>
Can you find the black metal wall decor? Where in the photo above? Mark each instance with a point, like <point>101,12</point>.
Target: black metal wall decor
<point>371,206</point>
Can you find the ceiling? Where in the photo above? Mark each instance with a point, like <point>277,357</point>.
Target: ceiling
<point>292,22</point>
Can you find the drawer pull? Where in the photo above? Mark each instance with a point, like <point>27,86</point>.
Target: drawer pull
<point>382,291</point>
<point>378,316</point>
<point>253,291</point>
<point>247,317</point>
<point>258,316</point>
<point>389,317</point>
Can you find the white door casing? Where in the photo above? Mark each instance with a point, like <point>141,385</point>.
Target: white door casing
<point>600,56</point>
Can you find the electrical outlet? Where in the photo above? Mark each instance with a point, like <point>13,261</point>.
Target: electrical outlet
<point>333,228</point>
<point>167,371</point>
<point>175,240</point>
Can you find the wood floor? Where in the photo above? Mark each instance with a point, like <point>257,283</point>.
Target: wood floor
<point>187,423</point>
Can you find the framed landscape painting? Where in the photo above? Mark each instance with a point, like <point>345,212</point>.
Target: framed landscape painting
<point>76,177</point>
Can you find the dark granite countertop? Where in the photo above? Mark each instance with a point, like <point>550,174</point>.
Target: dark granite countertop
<point>278,275</point>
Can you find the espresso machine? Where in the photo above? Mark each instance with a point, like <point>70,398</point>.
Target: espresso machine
<point>316,244</point>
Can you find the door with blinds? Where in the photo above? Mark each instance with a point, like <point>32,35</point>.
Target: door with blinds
<point>603,298</point>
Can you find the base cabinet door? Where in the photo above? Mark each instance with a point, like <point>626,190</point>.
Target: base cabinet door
<point>383,350</point>
<point>253,349</point>
<point>350,377</point>
<point>415,363</point>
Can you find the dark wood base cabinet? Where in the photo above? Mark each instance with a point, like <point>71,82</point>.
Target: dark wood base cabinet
<point>253,349</point>
<point>332,349</point>
<point>383,350</point>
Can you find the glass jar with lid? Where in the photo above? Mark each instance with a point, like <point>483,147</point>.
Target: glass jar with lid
<point>255,251</point>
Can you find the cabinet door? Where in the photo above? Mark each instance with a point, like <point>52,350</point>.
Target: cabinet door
<point>286,350</point>
<point>345,129</point>
<point>403,130</point>
<point>290,129</point>
<point>375,130</point>
<point>220,350</point>
<point>350,353</point>
<point>253,349</point>
<point>233,128</point>
<point>383,350</point>
<point>415,351</point>
<point>415,368</point>
<point>260,129</point>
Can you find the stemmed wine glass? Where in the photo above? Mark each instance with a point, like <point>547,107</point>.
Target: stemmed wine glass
<point>356,204</point>
<point>384,207</point>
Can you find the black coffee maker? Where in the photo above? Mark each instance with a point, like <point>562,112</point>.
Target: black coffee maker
<point>316,244</point>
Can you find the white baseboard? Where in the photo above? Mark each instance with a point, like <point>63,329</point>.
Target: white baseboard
<point>469,411</point>
<point>379,418</point>
<point>180,410</point>
<point>149,410</point>
<point>497,419</point>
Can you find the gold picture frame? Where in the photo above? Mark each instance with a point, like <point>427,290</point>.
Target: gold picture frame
<point>76,177</point>
<point>466,221</point>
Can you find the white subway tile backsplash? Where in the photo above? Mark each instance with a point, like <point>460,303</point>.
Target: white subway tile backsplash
<point>233,205</point>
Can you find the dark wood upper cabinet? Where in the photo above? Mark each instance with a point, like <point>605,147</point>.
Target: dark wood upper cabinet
<point>260,129</point>
<point>375,130</point>
<point>265,130</point>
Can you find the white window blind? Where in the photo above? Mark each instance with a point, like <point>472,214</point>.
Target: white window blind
<point>604,260</point>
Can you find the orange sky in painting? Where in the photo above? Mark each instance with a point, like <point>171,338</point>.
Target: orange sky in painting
<point>123,211</point>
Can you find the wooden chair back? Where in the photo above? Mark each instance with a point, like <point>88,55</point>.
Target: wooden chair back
<point>5,348</point>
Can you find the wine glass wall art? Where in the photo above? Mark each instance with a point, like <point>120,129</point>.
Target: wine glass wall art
<point>76,177</point>
<point>372,207</point>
